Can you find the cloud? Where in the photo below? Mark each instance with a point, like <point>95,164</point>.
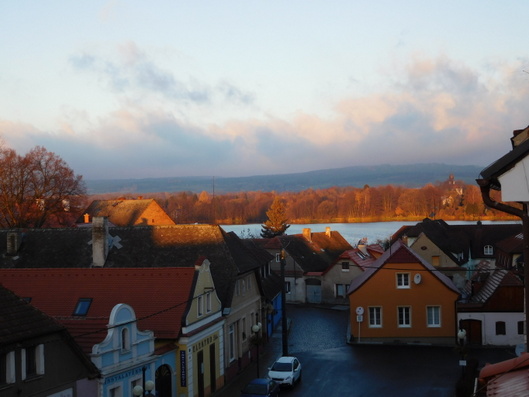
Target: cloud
<point>432,110</point>
<point>132,72</point>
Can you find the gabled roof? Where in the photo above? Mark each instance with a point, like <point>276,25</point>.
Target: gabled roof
<point>363,258</point>
<point>399,253</point>
<point>20,321</point>
<point>505,163</point>
<point>484,283</point>
<point>136,246</point>
<point>121,212</point>
<point>316,251</point>
<point>159,296</point>
<point>455,239</point>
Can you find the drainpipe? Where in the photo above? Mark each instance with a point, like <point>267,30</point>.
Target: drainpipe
<point>484,185</point>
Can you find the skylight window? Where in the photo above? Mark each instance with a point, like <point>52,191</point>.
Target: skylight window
<point>81,309</point>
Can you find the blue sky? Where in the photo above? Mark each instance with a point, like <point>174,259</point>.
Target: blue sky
<point>136,89</point>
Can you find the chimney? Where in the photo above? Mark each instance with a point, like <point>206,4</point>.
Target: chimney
<point>86,218</point>
<point>14,240</point>
<point>99,241</point>
<point>362,245</point>
<point>307,234</point>
<point>328,231</point>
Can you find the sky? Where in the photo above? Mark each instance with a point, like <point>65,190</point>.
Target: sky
<point>147,89</point>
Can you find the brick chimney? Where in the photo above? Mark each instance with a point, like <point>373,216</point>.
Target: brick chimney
<point>99,241</point>
<point>307,234</point>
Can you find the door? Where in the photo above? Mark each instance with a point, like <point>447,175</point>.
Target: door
<point>313,294</point>
<point>200,373</point>
<point>212,368</point>
<point>473,329</point>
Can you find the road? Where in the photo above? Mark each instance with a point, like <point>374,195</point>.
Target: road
<point>333,368</point>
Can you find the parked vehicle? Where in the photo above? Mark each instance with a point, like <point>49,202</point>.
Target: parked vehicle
<point>285,371</point>
<point>260,387</point>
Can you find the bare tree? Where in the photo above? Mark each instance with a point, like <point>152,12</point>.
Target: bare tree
<point>38,189</point>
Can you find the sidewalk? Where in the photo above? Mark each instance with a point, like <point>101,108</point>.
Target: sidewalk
<point>268,353</point>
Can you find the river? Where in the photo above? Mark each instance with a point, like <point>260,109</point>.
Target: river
<point>352,232</point>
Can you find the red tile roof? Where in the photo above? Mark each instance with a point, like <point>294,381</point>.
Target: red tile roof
<point>507,378</point>
<point>159,296</point>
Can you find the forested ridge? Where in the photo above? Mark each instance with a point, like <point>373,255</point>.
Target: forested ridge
<point>448,200</point>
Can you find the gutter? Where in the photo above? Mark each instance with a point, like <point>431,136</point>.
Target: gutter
<point>485,185</point>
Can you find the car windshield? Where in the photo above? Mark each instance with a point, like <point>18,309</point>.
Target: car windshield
<point>282,367</point>
<point>255,389</point>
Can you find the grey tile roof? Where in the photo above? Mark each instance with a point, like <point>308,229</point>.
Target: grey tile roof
<point>20,321</point>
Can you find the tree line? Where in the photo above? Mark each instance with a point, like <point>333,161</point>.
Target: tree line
<point>39,189</point>
<point>448,200</point>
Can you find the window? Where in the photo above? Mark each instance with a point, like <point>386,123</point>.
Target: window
<point>200,305</point>
<point>433,314</point>
<point>488,250</point>
<point>115,392</point>
<point>208,302</point>
<point>287,287</point>
<point>500,327</point>
<point>436,260</point>
<point>521,328</point>
<point>231,341</point>
<point>339,290</point>
<point>243,328</point>
<point>404,313</point>
<point>278,257</point>
<point>375,317</point>
<point>249,283</point>
<point>345,266</point>
<point>243,287</point>
<point>125,340</point>
<point>403,280</point>
<point>83,304</point>
<point>32,361</point>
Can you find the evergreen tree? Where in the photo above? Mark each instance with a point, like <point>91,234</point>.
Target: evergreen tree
<point>276,225</point>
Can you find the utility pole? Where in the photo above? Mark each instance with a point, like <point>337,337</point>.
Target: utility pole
<point>284,322</point>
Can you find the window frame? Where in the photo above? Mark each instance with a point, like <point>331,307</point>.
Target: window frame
<point>375,316</point>
<point>433,320</point>
<point>404,318</point>
<point>500,328</point>
<point>402,280</point>
<point>337,288</point>
<point>82,307</point>
<point>488,249</point>
<point>346,266</point>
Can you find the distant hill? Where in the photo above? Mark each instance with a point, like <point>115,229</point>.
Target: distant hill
<point>412,175</point>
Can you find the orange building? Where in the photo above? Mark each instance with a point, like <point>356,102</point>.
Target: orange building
<point>403,299</point>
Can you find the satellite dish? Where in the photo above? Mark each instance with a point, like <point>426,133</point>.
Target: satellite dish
<point>417,278</point>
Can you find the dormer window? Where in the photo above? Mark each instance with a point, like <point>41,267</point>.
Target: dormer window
<point>488,250</point>
<point>83,304</point>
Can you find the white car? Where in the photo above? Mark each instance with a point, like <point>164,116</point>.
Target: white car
<point>285,371</point>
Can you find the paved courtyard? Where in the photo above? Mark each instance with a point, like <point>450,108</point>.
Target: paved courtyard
<point>331,367</point>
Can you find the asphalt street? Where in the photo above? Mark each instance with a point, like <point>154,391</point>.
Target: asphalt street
<point>331,367</point>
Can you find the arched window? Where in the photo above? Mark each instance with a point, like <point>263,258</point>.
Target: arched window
<point>125,339</point>
<point>488,250</point>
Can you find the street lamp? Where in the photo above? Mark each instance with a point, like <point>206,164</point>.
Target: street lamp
<point>147,387</point>
<point>256,328</point>
<point>461,336</point>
